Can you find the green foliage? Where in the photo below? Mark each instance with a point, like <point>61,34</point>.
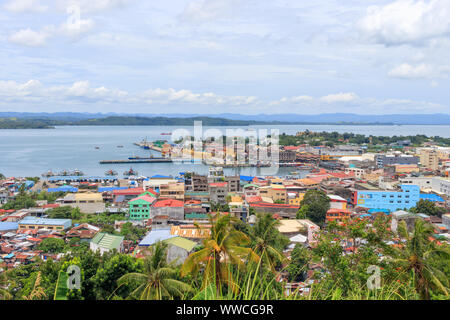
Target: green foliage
<point>132,232</point>
<point>52,245</point>
<point>428,207</point>
<point>298,265</point>
<point>317,204</point>
<point>65,212</point>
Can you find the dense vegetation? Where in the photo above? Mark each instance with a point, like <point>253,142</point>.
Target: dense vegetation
<point>239,261</point>
<point>335,138</point>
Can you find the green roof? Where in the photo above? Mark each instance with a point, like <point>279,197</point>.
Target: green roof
<point>250,185</point>
<point>195,215</point>
<point>107,241</point>
<point>186,244</point>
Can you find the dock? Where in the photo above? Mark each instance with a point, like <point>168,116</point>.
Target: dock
<point>152,160</point>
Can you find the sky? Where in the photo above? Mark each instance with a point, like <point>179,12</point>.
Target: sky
<point>225,56</point>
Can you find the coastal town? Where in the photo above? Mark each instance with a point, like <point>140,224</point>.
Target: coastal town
<point>49,217</point>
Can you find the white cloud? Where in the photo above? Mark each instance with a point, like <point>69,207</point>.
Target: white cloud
<point>28,37</point>
<point>200,11</point>
<point>339,97</point>
<point>24,5</point>
<point>406,21</point>
<point>407,71</point>
<point>91,6</point>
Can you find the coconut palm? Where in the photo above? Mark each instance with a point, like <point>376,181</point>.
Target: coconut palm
<point>157,281</point>
<point>223,250</point>
<point>417,255</point>
<point>267,241</point>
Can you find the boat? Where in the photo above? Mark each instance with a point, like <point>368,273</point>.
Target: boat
<point>294,172</point>
<point>140,158</point>
<point>49,173</point>
<point>130,172</point>
<point>77,172</point>
<point>120,146</point>
<point>111,172</point>
<point>166,133</point>
<point>97,147</point>
<point>64,173</point>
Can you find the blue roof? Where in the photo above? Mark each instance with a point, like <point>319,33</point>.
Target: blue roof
<point>104,189</point>
<point>81,178</point>
<point>46,222</point>
<point>8,226</point>
<point>156,235</point>
<point>63,189</point>
<point>246,178</point>
<point>9,256</point>
<point>431,197</point>
<point>159,176</point>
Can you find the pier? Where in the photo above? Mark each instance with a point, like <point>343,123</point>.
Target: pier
<point>151,160</point>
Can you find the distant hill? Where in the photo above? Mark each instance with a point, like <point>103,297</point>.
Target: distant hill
<point>224,119</point>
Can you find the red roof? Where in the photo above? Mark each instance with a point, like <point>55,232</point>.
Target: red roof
<point>336,210</point>
<point>129,192</point>
<point>168,203</point>
<point>253,199</point>
<point>218,184</point>
<point>145,198</point>
<point>273,205</point>
<point>50,205</point>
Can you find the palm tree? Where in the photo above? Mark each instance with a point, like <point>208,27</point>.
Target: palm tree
<point>157,281</point>
<point>222,250</point>
<point>416,256</point>
<point>266,239</point>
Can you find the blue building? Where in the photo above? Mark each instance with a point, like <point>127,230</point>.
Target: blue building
<point>390,200</point>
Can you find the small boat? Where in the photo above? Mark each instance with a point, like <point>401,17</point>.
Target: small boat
<point>130,172</point>
<point>120,146</point>
<point>77,172</point>
<point>166,133</point>
<point>47,174</point>
<point>140,158</point>
<point>111,172</point>
<point>97,147</point>
<point>294,172</point>
<point>64,173</point>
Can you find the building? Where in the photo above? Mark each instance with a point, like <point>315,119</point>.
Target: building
<point>171,208</point>
<point>383,160</point>
<point>139,208</point>
<point>283,210</point>
<point>85,232</point>
<point>105,242</point>
<point>357,172</point>
<point>125,195</point>
<point>174,190</point>
<point>287,156</point>
<point>218,192</point>
<point>233,183</point>
<point>275,192</point>
<point>388,200</point>
<point>33,223</point>
<point>429,159</point>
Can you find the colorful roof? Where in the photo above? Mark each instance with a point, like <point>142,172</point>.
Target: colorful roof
<point>168,203</point>
<point>130,191</point>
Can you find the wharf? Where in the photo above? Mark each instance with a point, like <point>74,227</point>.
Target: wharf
<point>150,160</point>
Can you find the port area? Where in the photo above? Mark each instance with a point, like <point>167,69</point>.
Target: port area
<point>146,160</point>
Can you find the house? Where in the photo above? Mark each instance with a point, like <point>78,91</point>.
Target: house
<point>172,208</point>
<point>127,194</point>
<point>85,232</point>
<point>105,242</point>
<point>275,192</point>
<point>337,214</point>
<point>173,190</point>
<point>283,210</point>
<point>191,231</point>
<point>139,208</point>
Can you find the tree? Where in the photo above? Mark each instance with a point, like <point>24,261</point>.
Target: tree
<point>4,293</point>
<point>317,204</point>
<point>2,176</point>
<point>427,207</point>
<point>105,280</point>
<point>52,245</point>
<point>298,265</point>
<point>38,292</point>
<point>267,241</point>
<point>157,281</point>
<point>417,257</point>
<point>221,251</point>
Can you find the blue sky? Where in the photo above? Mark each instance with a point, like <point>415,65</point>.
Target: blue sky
<point>225,56</point>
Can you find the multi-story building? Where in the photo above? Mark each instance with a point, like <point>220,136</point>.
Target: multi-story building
<point>234,183</point>
<point>218,192</point>
<point>429,159</point>
<point>383,160</point>
<point>33,223</point>
<point>172,191</point>
<point>276,192</point>
<point>358,172</point>
<point>139,208</point>
<point>170,208</point>
<point>388,200</point>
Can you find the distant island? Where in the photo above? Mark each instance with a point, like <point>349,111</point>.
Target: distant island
<point>49,122</point>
